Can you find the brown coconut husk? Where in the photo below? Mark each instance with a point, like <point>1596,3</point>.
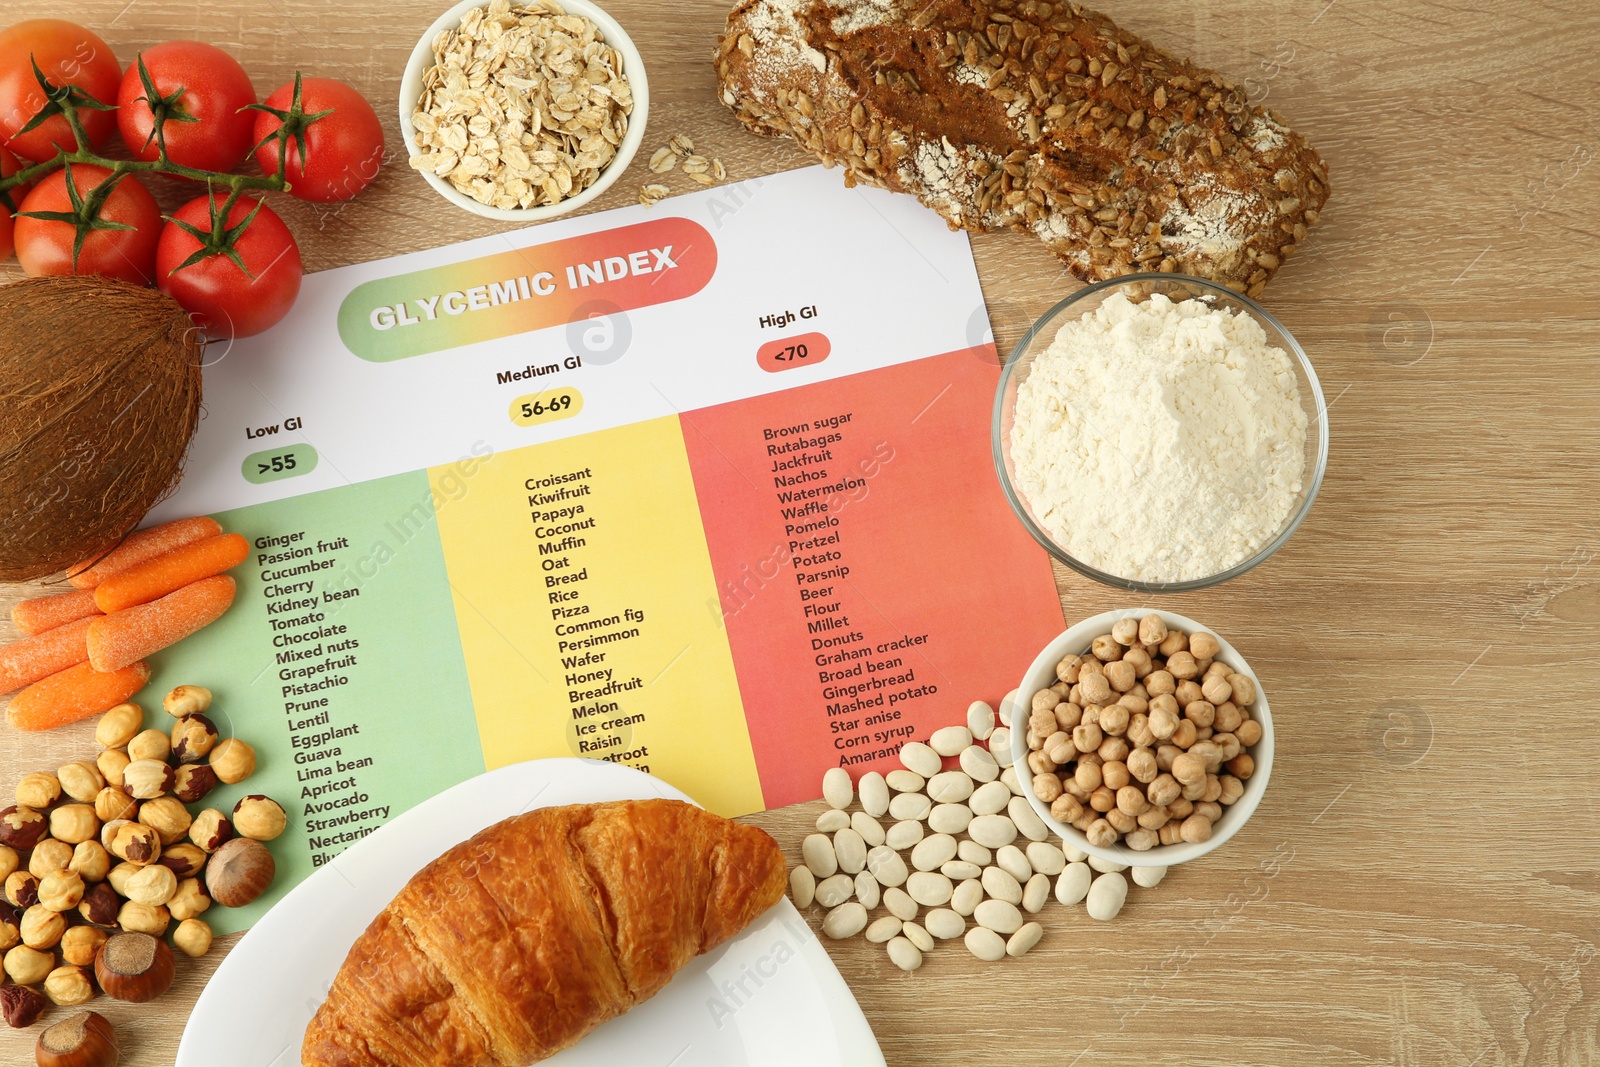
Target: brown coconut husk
<point>99,396</point>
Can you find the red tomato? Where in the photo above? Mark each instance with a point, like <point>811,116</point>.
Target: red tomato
<point>44,246</point>
<point>68,54</point>
<point>224,300</point>
<point>343,150</point>
<point>215,90</point>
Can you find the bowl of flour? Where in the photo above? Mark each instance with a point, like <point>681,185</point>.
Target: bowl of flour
<point>1160,433</point>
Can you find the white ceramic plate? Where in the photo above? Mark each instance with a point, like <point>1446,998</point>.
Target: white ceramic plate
<point>770,997</point>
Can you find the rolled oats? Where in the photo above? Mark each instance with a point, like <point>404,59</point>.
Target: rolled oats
<point>652,194</point>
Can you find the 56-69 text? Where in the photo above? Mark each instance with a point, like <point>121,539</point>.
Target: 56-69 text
<point>549,406</point>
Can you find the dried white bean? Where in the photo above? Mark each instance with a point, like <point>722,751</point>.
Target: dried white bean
<point>851,851</point>
<point>945,924</point>
<point>903,835</point>
<point>1012,782</point>
<point>831,892</point>
<point>1028,822</point>
<point>818,853</point>
<point>1008,707</point>
<point>1013,861</point>
<point>832,821</point>
<point>885,864</point>
<point>874,793</point>
<point>918,936</point>
<point>867,890</point>
<point>979,764</point>
<point>929,888</point>
<point>883,929</point>
<point>990,798</point>
<point>837,789</point>
<point>900,904</point>
<point>1034,894</point>
<point>933,852</point>
<point>950,740</point>
<point>870,829</point>
<point>949,787</point>
<point>1001,886</point>
<point>960,870</point>
<point>1046,858</point>
<point>903,954</point>
<point>991,831</point>
<point>967,896</point>
<point>949,818</point>
<point>1024,939</point>
<point>919,758</point>
<point>910,806</point>
<point>802,886</point>
<point>1000,746</point>
<point>973,852</point>
<point>1148,877</point>
<point>985,944</point>
<point>904,782</point>
<point>1073,885</point>
<point>1001,916</point>
<point>980,720</point>
<point>1073,853</point>
<point>1107,866</point>
<point>1107,895</point>
<point>847,920</point>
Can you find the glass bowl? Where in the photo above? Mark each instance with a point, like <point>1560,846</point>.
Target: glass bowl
<point>1138,288</point>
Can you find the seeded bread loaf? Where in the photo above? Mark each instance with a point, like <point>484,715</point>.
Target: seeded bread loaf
<point>1040,116</point>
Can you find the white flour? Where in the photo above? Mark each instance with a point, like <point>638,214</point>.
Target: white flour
<point>1160,441</point>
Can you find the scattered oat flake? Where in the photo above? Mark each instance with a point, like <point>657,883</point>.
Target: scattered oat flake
<point>718,171</point>
<point>663,160</point>
<point>652,194</point>
<point>681,144</point>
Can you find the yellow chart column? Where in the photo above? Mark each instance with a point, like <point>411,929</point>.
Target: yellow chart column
<point>585,599</point>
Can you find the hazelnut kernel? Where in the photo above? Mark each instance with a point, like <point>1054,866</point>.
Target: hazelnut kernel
<point>29,966</point>
<point>22,889</point>
<point>38,790</point>
<point>81,780</point>
<point>21,827</point>
<point>151,744</point>
<point>184,859</point>
<point>189,900</point>
<point>21,1006</point>
<point>185,700</point>
<point>9,861</point>
<point>10,928</point>
<point>69,986</point>
<point>259,817</point>
<point>42,928</point>
<point>147,779</point>
<point>167,817</point>
<point>152,885</point>
<point>144,918</point>
<point>80,944</point>
<point>49,855</point>
<point>193,738</point>
<point>192,937</point>
<point>111,804</point>
<point>119,726</point>
<point>100,905</point>
<point>136,843</point>
<point>61,890</point>
<point>233,760</point>
<point>210,830</point>
<point>113,763</point>
<point>193,782</point>
<point>74,823</point>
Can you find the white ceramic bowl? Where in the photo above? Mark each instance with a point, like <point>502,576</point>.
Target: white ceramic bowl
<point>1076,642</point>
<point>632,67</point>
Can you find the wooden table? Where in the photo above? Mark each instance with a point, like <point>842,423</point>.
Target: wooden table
<point>1421,885</point>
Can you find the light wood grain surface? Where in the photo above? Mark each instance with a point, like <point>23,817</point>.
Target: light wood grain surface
<point>1422,884</point>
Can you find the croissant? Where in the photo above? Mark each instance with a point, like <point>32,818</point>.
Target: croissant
<point>515,944</point>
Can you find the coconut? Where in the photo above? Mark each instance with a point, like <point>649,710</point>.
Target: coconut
<point>99,396</point>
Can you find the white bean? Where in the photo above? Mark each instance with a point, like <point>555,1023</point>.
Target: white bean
<point>904,834</point>
<point>899,903</point>
<point>847,920</point>
<point>990,831</point>
<point>818,853</point>
<point>919,758</point>
<point>960,870</point>
<point>1073,853</point>
<point>1073,885</point>
<point>883,929</point>
<point>1008,706</point>
<point>1000,746</point>
<point>990,798</point>
<point>870,829</point>
<point>929,888</point>
<point>1046,858</point>
<point>1107,895</point>
<point>945,924</point>
<point>949,818</point>
<point>851,851</point>
<point>1010,858</point>
<point>948,787</point>
<point>979,764</point>
<point>837,789</point>
<point>1107,866</point>
<point>933,852</point>
<point>1012,782</point>
<point>1028,822</point>
<point>973,852</point>
<point>874,793</point>
<point>980,720</point>
<point>885,864</point>
<point>1001,916</point>
<point>910,806</point>
<point>831,892</point>
<point>1034,894</point>
<point>1024,939</point>
<point>967,896</point>
<point>918,936</point>
<point>950,740</point>
<point>1148,877</point>
<point>802,886</point>
<point>867,890</point>
<point>902,781</point>
<point>832,821</point>
<point>985,944</point>
<point>903,954</point>
<point>1001,886</point>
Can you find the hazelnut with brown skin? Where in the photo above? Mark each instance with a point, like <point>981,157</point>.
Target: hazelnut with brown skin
<point>111,804</point>
<point>259,817</point>
<point>193,782</point>
<point>119,726</point>
<point>74,823</point>
<point>134,967</point>
<point>136,843</point>
<point>167,817</point>
<point>192,938</point>
<point>184,859</point>
<point>189,900</point>
<point>49,855</point>
<point>21,827</point>
<point>42,927</point>
<point>38,790</point>
<point>148,779</point>
<point>113,764</point>
<point>210,830</point>
<point>69,986</point>
<point>81,780</point>
<point>186,700</point>
<point>29,966</point>
<point>144,918</point>
<point>151,744</point>
<point>85,1040</point>
<point>22,889</point>
<point>21,1006</point>
<point>100,906</point>
<point>61,890</point>
<point>80,945</point>
<point>10,928</point>
<point>239,872</point>
<point>233,760</point>
<point>193,738</point>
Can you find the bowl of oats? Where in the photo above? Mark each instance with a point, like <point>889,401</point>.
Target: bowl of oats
<point>523,111</point>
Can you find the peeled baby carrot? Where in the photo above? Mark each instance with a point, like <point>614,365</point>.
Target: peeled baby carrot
<point>75,693</point>
<point>34,658</point>
<point>134,633</point>
<point>40,613</point>
<point>142,545</point>
<point>170,571</point>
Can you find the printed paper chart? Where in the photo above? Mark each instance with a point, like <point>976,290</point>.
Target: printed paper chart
<point>704,489</point>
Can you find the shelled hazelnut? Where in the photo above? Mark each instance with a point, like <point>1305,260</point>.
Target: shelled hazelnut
<point>74,823</point>
<point>112,765</point>
<point>81,780</point>
<point>81,944</point>
<point>233,760</point>
<point>136,843</point>
<point>193,938</point>
<point>150,745</point>
<point>119,726</point>
<point>186,700</point>
<point>189,900</point>
<point>22,889</point>
<point>85,1040</point>
<point>28,966</point>
<point>69,985</point>
<point>111,804</point>
<point>9,861</point>
<point>21,1006</point>
<point>152,885</point>
<point>38,790</point>
<point>185,859</point>
<point>100,905</point>
<point>193,738</point>
<point>91,861</point>
<point>259,817</point>
<point>167,817</point>
<point>134,967</point>
<point>147,779</point>
<point>193,782</point>
<point>61,890</point>
<point>210,830</point>
<point>10,927</point>
<point>22,827</point>
<point>49,855</point>
<point>152,919</point>
<point>42,927</point>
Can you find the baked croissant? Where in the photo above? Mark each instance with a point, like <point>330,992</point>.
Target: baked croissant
<point>514,945</point>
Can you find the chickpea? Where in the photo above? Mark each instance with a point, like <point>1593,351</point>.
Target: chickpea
<point>1139,733</point>
<point>1228,717</point>
<point>1188,768</point>
<point>1067,669</point>
<point>1232,789</point>
<point>1068,715</point>
<point>1141,840</point>
<point>1180,808</point>
<point>1194,790</point>
<point>1087,736</point>
<point>1105,649</point>
<point>1121,821</point>
<point>1195,829</point>
<point>1211,753</point>
<point>1088,776</point>
<point>1154,817</point>
<point>1160,683</point>
<point>1114,774</point>
<point>1047,787</point>
<point>1201,712</point>
<point>1185,735</point>
<point>1169,834</point>
<point>1163,790</point>
<point>1075,695</point>
<point>1152,629</point>
<point>1242,766</point>
<point>1113,749</point>
<point>1141,765</point>
<point>1165,754</point>
<point>1141,661</point>
<point>1084,821</point>
<point>1044,700</point>
<point>1101,834</point>
<point>1125,631</point>
<point>1163,721</point>
<point>1136,703</point>
<point>1089,666</point>
<point>1215,689</point>
<point>1059,747</point>
<point>1091,713</point>
<point>1213,791</point>
<point>1092,759</point>
<point>1071,787</point>
<point>1248,732</point>
<point>1176,641</point>
<point>1131,799</point>
<point>1203,733</point>
<point>1102,800</point>
<point>1061,689</point>
<point>1182,666</point>
<point>1121,676</point>
<point>1114,719</point>
<point>1095,689</point>
<point>1186,693</point>
<point>1204,645</point>
<point>1042,721</point>
<point>1065,808</point>
<point>1244,690</point>
<point>1039,763</point>
<point>1210,810</point>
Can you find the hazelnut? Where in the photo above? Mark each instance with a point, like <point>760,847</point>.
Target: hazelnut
<point>108,831</point>
<point>81,944</point>
<point>193,782</point>
<point>22,889</point>
<point>152,885</point>
<point>151,744</point>
<point>136,843</point>
<point>21,826</point>
<point>29,966</point>
<point>61,890</point>
<point>49,855</point>
<point>74,823</point>
<point>188,900</point>
<point>118,877</point>
<point>111,804</point>
<point>21,1006</point>
<point>233,760</point>
<point>42,927</point>
<point>68,986</point>
<point>147,779</point>
<point>81,780</point>
<point>185,860</point>
<point>119,726</point>
<point>113,763</point>
<point>210,830</point>
<point>152,919</point>
<point>239,872</point>
<point>100,905</point>
<point>38,790</point>
<point>134,967</point>
<point>167,817</point>
<point>193,938</point>
<point>9,861</point>
<point>193,738</point>
<point>10,927</point>
<point>185,700</point>
<point>259,817</point>
<point>85,1040</point>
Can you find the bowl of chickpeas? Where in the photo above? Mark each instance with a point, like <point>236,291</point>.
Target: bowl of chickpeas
<point>1145,738</point>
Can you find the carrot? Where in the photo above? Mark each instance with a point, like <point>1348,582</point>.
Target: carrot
<point>75,693</point>
<point>142,545</point>
<point>134,633</point>
<point>34,658</point>
<point>37,614</point>
<point>170,571</point>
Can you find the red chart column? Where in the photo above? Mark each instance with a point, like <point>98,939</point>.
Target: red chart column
<point>873,580</point>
